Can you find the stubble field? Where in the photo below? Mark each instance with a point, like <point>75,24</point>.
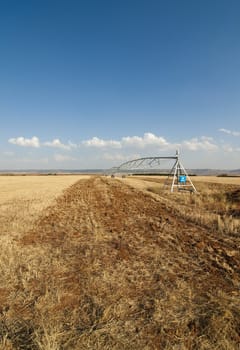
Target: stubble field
<point>102,263</point>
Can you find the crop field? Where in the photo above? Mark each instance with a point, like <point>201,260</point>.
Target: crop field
<point>91,262</point>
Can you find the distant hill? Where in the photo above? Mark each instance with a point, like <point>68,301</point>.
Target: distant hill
<point>192,172</point>
<point>214,172</point>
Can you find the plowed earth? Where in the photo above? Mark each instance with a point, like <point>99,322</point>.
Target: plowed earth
<point>124,272</point>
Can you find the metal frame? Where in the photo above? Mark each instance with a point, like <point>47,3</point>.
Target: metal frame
<point>153,163</point>
<point>176,171</point>
<point>142,163</point>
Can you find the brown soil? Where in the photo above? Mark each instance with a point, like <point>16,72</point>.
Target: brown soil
<point>127,273</point>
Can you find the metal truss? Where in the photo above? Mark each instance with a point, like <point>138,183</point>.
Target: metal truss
<point>177,177</point>
<point>148,163</point>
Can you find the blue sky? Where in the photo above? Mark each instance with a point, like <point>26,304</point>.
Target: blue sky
<point>89,84</point>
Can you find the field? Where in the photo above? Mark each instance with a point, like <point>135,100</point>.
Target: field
<point>101,263</point>
<point>23,198</point>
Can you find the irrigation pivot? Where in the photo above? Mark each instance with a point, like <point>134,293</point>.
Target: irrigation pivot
<point>177,178</point>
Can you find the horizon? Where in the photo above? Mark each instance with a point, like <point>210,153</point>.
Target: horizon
<point>98,170</point>
<point>95,84</point>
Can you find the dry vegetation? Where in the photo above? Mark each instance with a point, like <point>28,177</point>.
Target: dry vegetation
<point>23,198</point>
<point>113,266</point>
<point>216,205</point>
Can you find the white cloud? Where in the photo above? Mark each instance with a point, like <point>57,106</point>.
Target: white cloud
<point>230,132</point>
<point>24,142</point>
<point>202,143</point>
<point>63,158</point>
<point>100,143</point>
<point>148,139</point>
<point>35,142</point>
<point>72,145</point>
<point>151,141</point>
<point>56,143</point>
<point>226,131</point>
<point>228,148</point>
<point>200,151</point>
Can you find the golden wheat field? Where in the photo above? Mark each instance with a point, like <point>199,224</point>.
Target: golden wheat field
<point>23,198</point>
<point>91,262</point>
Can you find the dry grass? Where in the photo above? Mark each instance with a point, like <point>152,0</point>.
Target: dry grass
<point>205,179</point>
<point>23,198</point>
<point>215,206</point>
<point>218,179</point>
<point>107,266</point>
